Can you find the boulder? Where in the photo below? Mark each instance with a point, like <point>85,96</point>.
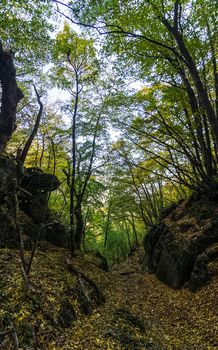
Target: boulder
<point>35,206</point>
<point>202,272</point>
<point>7,176</point>
<point>57,234</point>
<point>32,194</point>
<point>35,180</point>
<point>176,248</point>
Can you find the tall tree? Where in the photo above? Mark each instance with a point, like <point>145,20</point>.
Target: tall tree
<point>169,42</point>
<point>76,69</point>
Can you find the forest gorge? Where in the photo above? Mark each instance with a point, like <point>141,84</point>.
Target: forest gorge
<point>108,175</point>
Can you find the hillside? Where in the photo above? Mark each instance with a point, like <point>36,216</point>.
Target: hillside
<point>139,311</point>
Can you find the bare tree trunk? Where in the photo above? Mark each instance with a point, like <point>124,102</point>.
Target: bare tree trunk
<point>43,150</point>
<point>34,131</point>
<point>79,224</point>
<point>11,95</point>
<point>193,71</point>
<point>107,228</point>
<point>79,230</point>
<point>84,227</point>
<point>132,222</point>
<point>73,176</point>
<point>127,233</point>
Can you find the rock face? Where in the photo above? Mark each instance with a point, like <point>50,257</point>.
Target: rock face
<point>32,195</point>
<point>7,208</point>
<point>181,247</point>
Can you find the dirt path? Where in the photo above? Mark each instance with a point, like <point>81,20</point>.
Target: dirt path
<point>172,319</point>
<point>139,313</point>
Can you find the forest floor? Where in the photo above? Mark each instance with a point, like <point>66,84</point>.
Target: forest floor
<point>140,312</point>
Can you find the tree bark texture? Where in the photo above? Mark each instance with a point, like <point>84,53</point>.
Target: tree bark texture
<point>11,95</point>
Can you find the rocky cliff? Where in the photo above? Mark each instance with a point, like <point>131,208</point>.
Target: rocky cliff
<point>183,246</point>
<point>31,190</point>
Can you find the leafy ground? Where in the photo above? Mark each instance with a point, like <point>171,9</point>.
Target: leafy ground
<point>139,313</point>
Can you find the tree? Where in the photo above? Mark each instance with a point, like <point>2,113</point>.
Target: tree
<point>76,71</point>
<point>25,30</point>
<point>167,43</point>
<point>23,154</point>
<point>10,96</point>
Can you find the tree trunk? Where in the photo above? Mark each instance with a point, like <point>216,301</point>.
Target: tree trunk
<point>193,71</point>
<point>107,228</point>
<point>34,131</point>
<point>134,229</point>
<point>11,95</point>
<point>127,233</point>
<point>73,177</point>
<point>79,231</point>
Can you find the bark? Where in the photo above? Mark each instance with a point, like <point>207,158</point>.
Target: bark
<point>193,71</point>
<point>84,227</point>
<point>79,231</point>
<point>34,131</point>
<point>127,233</point>
<point>205,146</point>
<point>73,178</point>
<point>42,152</point>
<point>107,228</point>
<point>11,95</point>
<point>134,231</point>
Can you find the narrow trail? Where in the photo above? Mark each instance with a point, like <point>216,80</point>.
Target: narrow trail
<point>139,313</point>
<point>173,319</point>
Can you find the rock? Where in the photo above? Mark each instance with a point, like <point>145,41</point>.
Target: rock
<point>57,234</point>
<point>8,234</point>
<point>67,315</point>
<point>174,248</point>
<point>32,194</point>
<point>35,180</point>
<point>27,225</point>
<point>36,207</point>
<point>200,273</point>
<point>7,176</point>
<point>33,198</point>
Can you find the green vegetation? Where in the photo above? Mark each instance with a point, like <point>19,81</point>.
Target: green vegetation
<point>109,117</point>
